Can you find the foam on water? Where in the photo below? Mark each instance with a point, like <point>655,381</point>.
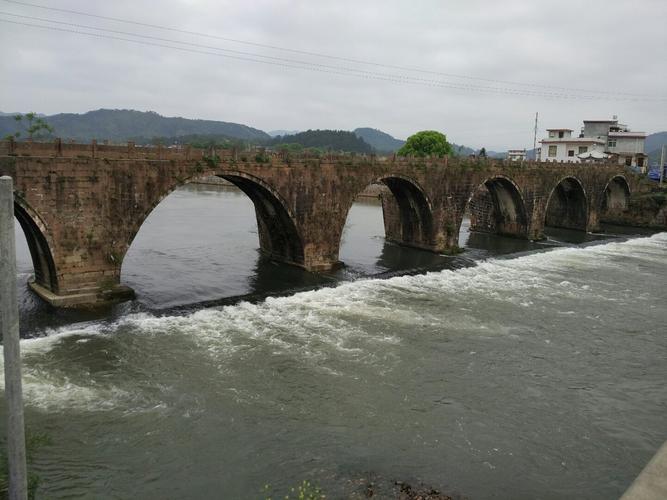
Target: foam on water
<point>318,325</point>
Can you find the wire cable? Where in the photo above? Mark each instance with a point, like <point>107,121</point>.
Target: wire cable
<point>328,56</point>
<point>365,75</point>
<point>407,79</point>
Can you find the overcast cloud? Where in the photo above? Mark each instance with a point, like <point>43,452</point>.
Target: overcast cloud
<point>613,46</point>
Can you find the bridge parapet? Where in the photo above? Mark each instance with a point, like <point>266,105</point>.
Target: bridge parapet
<point>129,150</point>
<point>63,149</point>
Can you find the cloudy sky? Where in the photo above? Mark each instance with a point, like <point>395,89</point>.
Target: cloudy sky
<point>476,70</point>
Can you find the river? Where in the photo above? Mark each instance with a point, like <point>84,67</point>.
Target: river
<point>514,370</point>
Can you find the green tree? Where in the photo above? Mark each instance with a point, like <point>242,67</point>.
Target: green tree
<point>426,143</point>
<point>32,125</point>
<point>482,153</point>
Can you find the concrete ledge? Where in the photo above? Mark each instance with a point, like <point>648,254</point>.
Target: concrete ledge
<point>651,484</point>
<point>84,298</point>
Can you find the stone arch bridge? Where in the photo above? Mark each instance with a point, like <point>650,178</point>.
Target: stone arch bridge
<point>81,205</point>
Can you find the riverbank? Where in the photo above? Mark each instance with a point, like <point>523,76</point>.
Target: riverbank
<point>647,209</point>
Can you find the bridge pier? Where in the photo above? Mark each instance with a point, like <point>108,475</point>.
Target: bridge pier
<point>88,297</point>
<point>411,227</point>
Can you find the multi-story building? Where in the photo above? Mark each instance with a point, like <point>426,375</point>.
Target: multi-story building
<point>598,140</point>
<point>624,144</point>
<point>516,154</point>
<point>561,146</point>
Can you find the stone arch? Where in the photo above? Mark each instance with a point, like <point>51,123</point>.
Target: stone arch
<point>497,205</point>
<point>406,209</point>
<point>279,237</point>
<point>616,196</point>
<point>567,205</point>
<point>35,231</point>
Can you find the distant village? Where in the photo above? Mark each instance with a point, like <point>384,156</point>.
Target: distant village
<point>599,141</point>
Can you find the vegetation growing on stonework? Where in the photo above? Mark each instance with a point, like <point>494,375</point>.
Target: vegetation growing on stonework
<point>31,126</point>
<point>426,143</point>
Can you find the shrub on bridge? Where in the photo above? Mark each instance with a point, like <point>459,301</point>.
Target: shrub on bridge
<point>426,143</point>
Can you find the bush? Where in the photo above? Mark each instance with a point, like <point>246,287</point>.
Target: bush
<point>426,143</point>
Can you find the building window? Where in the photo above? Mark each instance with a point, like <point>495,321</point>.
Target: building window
<point>553,150</point>
<point>640,161</point>
<point>570,152</point>
<point>552,134</point>
<point>583,149</point>
<point>628,161</point>
<point>561,134</point>
<point>611,143</point>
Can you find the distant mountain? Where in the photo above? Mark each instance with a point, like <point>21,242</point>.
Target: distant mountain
<point>385,143</point>
<point>335,140</point>
<point>655,141</point>
<point>460,150</point>
<point>653,146</point>
<point>123,124</point>
<point>275,133</point>
<point>381,141</point>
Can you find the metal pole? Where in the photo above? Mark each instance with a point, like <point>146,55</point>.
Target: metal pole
<point>9,329</point>
<point>535,140</point>
<point>662,163</point>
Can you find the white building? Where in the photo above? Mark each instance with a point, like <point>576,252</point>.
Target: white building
<point>599,140</point>
<point>560,146</point>
<point>627,146</point>
<point>516,154</point>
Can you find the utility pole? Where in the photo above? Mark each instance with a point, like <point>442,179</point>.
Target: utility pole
<point>535,138</point>
<point>662,163</point>
<point>9,329</point>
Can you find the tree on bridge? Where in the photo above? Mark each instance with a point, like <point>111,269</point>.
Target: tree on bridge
<point>32,126</point>
<point>426,143</point>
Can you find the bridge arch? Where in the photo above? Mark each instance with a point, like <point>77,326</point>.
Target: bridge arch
<point>616,195</point>
<point>497,205</point>
<point>406,210</point>
<point>567,205</point>
<point>35,231</point>
<point>279,236</point>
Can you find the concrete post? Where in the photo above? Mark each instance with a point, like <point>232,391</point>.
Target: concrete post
<point>9,329</point>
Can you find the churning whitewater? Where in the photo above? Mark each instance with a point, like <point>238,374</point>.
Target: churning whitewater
<point>539,376</point>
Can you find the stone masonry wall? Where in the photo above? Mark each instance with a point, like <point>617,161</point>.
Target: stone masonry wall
<point>89,202</point>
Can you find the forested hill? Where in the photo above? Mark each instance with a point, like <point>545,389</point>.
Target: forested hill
<point>381,141</point>
<point>335,140</point>
<point>123,124</point>
<point>385,143</point>
<point>653,146</point>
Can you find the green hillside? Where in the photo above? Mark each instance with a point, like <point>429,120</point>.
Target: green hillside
<point>334,140</point>
<point>123,124</point>
<point>380,141</point>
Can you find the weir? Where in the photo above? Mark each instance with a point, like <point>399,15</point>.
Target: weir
<point>81,205</point>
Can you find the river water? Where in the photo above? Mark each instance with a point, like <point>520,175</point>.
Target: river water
<point>515,370</point>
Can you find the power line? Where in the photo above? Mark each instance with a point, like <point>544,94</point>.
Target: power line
<point>301,63</point>
<point>184,49</point>
<point>323,68</point>
<point>328,56</point>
